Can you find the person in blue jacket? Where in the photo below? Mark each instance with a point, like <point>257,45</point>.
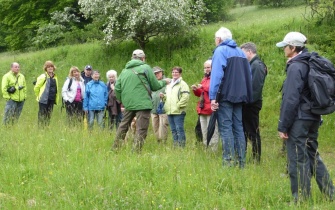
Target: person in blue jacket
<point>231,81</point>
<point>95,100</point>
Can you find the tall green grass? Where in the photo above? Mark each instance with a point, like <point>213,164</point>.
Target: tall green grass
<point>65,167</point>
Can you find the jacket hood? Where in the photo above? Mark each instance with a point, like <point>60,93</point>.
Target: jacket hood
<point>229,42</point>
<point>302,57</point>
<point>133,63</point>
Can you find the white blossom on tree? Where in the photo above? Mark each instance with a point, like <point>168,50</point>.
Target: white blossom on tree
<point>141,19</point>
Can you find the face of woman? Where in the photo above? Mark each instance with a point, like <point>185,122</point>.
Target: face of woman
<point>76,74</point>
<point>207,68</point>
<point>95,76</point>
<point>50,69</point>
<point>175,74</point>
<point>111,77</point>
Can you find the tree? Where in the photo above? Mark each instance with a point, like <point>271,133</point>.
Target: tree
<point>323,10</point>
<point>140,20</point>
<point>21,19</point>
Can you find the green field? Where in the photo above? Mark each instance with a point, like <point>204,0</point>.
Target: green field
<point>66,167</point>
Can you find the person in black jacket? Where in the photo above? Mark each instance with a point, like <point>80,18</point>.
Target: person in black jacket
<point>299,127</point>
<point>250,111</point>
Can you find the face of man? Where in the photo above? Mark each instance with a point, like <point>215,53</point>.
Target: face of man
<point>88,72</point>
<point>15,68</point>
<point>289,51</point>
<point>159,75</point>
<point>247,53</point>
<point>217,41</point>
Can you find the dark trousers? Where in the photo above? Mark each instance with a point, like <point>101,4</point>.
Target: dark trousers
<point>74,111</point>
<point>250,118</point>
<point>142,124</point>
<point>44,113</point>
<point>304,160</point>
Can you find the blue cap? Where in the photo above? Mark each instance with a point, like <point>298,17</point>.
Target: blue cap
<point>88,67</point>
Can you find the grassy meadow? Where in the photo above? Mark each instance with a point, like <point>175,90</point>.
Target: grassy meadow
<point>66,167</point>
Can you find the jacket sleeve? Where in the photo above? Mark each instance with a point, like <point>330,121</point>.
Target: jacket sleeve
<point>117,89</point>
<point>153,82</point>
<point>219,63</point>
<point>292,91</point>
<point>24,88</point>
<point>4,86</point>
<point>184,95</point>
<point>106,94</point>
<point>86,98</point>
<point>39,83</point>
<point>64,89</point>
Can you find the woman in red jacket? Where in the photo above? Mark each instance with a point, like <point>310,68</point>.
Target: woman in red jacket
<point>204,105</point>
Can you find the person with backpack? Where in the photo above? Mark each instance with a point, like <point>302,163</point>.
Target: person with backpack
<point>73,95</point>
<point>46,91</point>
<point>299,127</point>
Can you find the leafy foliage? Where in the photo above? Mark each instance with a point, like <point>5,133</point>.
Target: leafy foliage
<point>217,10</point>
<point>323,10</point>
<point>279,3</point>
<point>140,20</point>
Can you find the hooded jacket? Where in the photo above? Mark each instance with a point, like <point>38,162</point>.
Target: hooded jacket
<point>230,66</point>
<point>294,88</point>
<point>12,80</point>
<point>96,96</point>
<point>134,85</point>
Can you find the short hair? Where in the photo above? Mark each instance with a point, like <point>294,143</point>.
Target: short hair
<point>111,72</point>
<point>208,62</point>
<point>224,34</point>
<point>72,69</point>
<point>249,46</point>
<point>48,64</point>
<point>179,69</point>
<point>14,63</point>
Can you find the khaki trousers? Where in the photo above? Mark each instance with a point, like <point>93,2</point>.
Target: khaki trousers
<point>160,125</point>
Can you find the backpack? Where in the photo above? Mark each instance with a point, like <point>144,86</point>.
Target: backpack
<point>321,82</point>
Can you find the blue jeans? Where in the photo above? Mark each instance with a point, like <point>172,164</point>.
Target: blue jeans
<point>177,128</point>
<point>99,114</point>
<point>13,111</point>
<point>231,132</point>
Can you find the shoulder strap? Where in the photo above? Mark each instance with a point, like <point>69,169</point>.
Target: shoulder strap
<point>149,92</point>
<point>70,83</point>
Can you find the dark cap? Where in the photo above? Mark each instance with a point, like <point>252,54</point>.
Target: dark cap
<point>88,67</point>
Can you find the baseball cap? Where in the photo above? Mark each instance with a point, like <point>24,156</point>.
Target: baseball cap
<point>88,67</point>
<point>138,53</point>
<point>294,39</point>
<point>157,69</point>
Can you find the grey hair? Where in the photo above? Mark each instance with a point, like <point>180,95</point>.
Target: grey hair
<point>224,34</point>
<point>208,62</point>
<point>249,46</point>
<point>111,72</point>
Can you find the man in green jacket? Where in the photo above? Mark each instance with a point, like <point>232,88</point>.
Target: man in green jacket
<point>133,88</point>
<point>15,92</point>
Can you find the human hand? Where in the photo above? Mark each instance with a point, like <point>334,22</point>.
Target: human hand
<point>161,95</point>
<point>167,80</point>
<point>214,105</point>
<point>283,136</point>
<point>194,87</point>
<point>199,85</point>
<point>112,86</point>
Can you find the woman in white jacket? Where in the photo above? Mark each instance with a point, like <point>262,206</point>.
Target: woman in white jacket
<point>73,95</point>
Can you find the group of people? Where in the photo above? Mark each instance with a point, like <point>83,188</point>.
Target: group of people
<point>231,88</point>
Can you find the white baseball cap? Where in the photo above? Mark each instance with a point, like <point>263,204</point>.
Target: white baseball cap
<point>138,53</point>
<point>294,39</point>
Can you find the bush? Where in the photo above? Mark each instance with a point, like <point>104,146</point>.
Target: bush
<point>217,10</point>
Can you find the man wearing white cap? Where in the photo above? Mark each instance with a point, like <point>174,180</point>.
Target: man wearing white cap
<point>133,88</point>
<point>299,127</point>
